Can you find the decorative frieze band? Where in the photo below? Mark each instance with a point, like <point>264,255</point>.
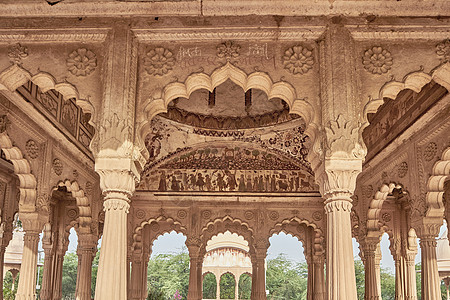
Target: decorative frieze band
<point>69,35</point>
<point>399,32</point>
<point>268,33</point>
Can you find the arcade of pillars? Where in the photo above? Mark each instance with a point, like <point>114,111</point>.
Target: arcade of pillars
<point>126,120</point>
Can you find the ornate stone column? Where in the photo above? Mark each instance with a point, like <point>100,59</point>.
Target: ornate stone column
<point>27,281</point>
<point>372,283</point>
<point>117,186</point>
<point>218,286</point>
<point>410,276</point>
<point>430,277</point>
<point>259,272</point>
<point>254,281</point>
<point>338,179</point>
<point>86,252</point>
<point>318,277</point>
<point>58,270</point>
<point>46,289</point>
<point>144,277</point>
<point>236,291</point>
<point>200,275</point>
<point>136,277</point>
<point>193,245</point>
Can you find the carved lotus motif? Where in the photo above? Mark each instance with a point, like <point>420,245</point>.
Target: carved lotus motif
<point>81,62</point>
<point>443,50</point>
<point>17,52</point>
<point>298,60</point>
<point>377,60</point>
<point>228,51</point>
<point>159,61</point>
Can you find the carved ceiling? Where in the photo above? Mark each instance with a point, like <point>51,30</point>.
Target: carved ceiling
<point>229,107</point>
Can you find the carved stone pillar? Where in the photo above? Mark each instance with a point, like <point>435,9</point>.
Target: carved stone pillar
<point>259,273</point>
<point>194,293</point>
<point>310,281</point>
<point>218,286</point>
<point>399,276</point>
<point>86,252</point>
<point>136,278</point>
<point>410,276</point>
<point>337,182</point>
<point>28,269</point>
<point>144,277</point>
<point>372,283</point>
<point>46,288</point>
<point>117,187</point>
<point>430,277</point>
<point>318,277</point>
<point>58,270</point>
<point>378,268</point>
<point>236,291</point>
<point>200,275</point>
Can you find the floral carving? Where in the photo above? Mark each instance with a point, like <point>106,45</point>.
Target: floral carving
<point>88,188</point>
<point>430,151</point>
<point>368,191</point>
<point>386,217</point>
<point>402,169</point>
<point>154,227</point>
<point>32,149</point>
<point>228,50</point>
<point>140,214</point>
<point>182,214</point>
<point>206,214</point>
<point>75,174</point>
<point>17,52</point>
<point>72,213</point>
<point>159,61</point>
<point>298,60</point>
<point>57,166</point>
<point>273,215</point>
<point>249,215</point>
<point>443,50</point>
<point>377,60</point>
<point>81,62</point>
<point>317,215</point>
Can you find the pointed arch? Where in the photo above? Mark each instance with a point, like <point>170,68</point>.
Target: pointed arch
<point>158,102</point>
<point>22,168</point>
<point>83,203</point>
<point>376,204</point>
<point>435,186</point>
<point>15,76</point>
<point>414,81</point>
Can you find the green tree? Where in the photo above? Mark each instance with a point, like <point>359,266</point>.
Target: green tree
<point>245,286</point>
<point>209,286</point>
<point>285,279</point>
<point>387,284</point>
<point>8,292</point>
<point>69,276</point>
<point>168,273</point>
<point>227,286</point>
<point>360,280</point>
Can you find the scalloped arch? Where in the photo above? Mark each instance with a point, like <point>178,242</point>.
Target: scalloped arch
<point>158,102</point>
<point>414,81</point>
<point>83,203</point>
<point>318,238</point>
<point>375,206</point>
<point>138,230</point>
<point>218,226</point>
<point>435,186</point>
<point>22,168</point>
<point>15,76</point>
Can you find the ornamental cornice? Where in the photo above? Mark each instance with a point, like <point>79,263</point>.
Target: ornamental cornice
<point>236,33</point>
<point>54,35</point>
<point>392,32</point>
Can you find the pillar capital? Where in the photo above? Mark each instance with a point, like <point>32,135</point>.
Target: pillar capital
<point>428,230</point>
<point>117,183</point>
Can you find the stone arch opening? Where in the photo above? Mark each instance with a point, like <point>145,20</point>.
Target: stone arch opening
<point>440,174</point>
<point>414,81</point>
<point>209,286</point>
<point>227,285</point>
<point>245,286</point>
<point>159,102</point>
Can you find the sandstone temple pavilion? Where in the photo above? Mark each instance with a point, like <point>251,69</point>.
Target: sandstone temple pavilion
<point>324,119</point>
